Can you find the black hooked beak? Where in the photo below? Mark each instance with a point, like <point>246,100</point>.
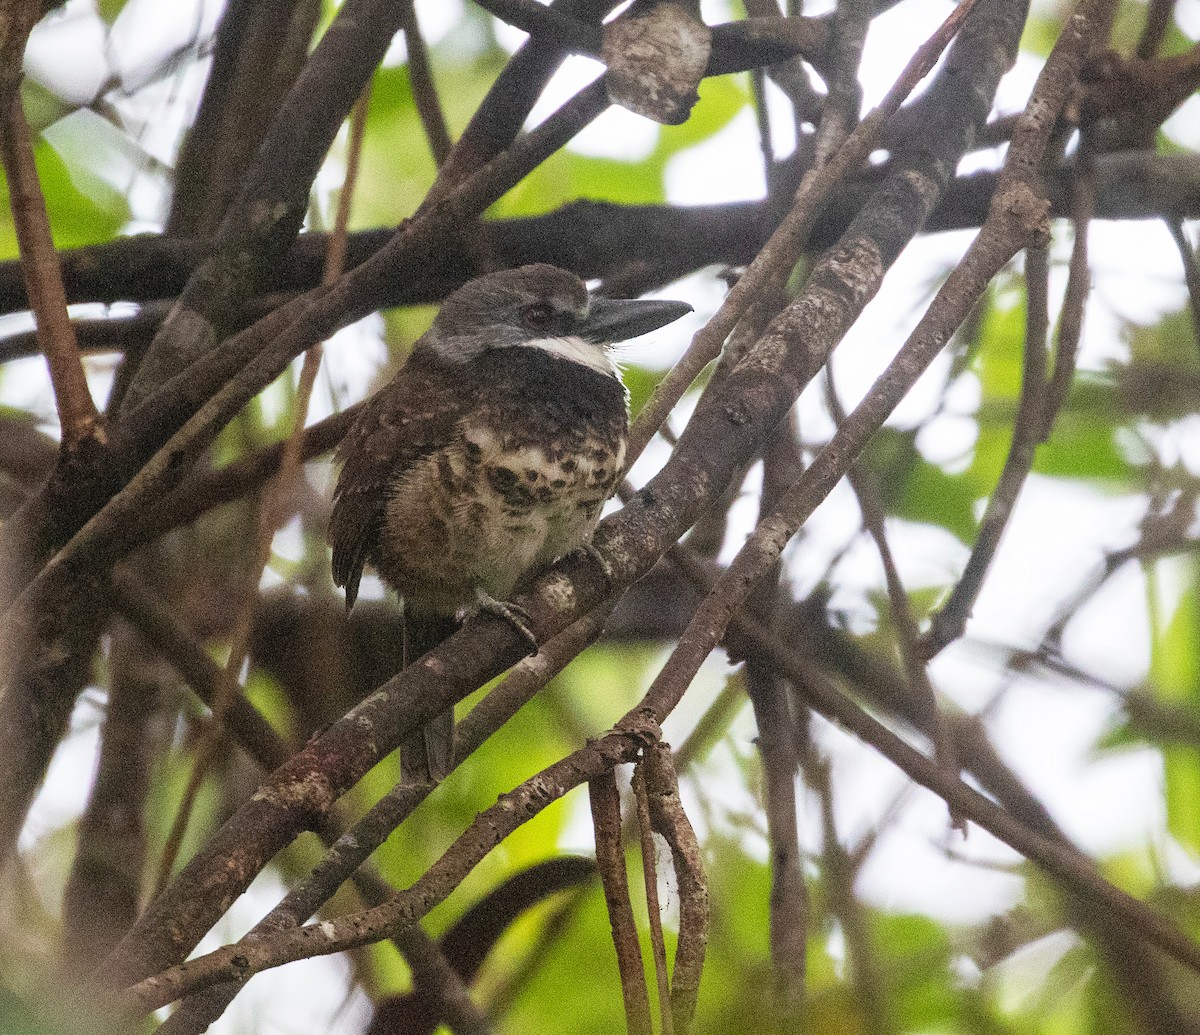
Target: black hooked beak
<point>618,319</point>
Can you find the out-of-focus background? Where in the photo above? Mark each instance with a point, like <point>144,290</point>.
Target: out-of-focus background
<point>1081,660</point>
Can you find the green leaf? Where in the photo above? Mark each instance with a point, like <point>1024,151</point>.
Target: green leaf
<point>1040,35</point>
<point>42,107</point>
<point>269,698</point>
<point>110,9</point>
<point>1000,360</point>
<point>1171,340</point>
<point>721,98</point>
<point>77,216</point>
<point>577,990</point>
<point>912,488</point>
<point>641,382</point>
<point>933,497</point>
<point>17,1017</point>
<point>396,167</point>
<point>567,176</point>
<point>897,935</point>
<point>1175,671</point>
<point>1083,445</point>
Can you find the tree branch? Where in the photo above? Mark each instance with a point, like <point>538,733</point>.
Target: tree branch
<point>425,96</point>
<point>772,264</point>
<point>77,414</point>
<point>610,860</point>
<point>714,446</point>
<point>351,851</point>
<point>594,239</point>
<point>489,828</point>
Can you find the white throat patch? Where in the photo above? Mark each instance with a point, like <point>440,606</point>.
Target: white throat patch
<point>576,350</point>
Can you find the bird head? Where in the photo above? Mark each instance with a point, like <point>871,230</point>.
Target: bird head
<point>544,307</point>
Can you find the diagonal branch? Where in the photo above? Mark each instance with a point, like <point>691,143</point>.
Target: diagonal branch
<point>429,106</point>
<point>591,238</point>
<point>263,219</point>
<point>77,414</point>
<point>351,851</point>
<point>713,447</point>
<point>772,264</point>
<point>605,801</point>
<point>489,828</point>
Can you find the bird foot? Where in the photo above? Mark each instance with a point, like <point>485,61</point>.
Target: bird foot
<point>515,615</point>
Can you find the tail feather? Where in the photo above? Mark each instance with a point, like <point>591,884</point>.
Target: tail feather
<point>427,753</point>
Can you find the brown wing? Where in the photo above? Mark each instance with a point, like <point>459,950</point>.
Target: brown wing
<point>410,418</point>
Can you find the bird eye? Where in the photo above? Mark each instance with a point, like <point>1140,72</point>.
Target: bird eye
<point>538,317</point>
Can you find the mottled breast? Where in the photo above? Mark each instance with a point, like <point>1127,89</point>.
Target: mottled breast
<point>521,483</point>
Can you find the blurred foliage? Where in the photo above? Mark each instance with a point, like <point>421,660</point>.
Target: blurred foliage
<point>1126,433</point>
<point>1175,672</point>
<point>82,208</point>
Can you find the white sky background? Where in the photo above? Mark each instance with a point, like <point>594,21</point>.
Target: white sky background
<point>1058,533</point>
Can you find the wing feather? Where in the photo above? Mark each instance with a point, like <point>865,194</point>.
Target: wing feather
<point>413,416</point>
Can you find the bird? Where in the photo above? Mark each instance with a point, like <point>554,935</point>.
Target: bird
<point>489,456</point>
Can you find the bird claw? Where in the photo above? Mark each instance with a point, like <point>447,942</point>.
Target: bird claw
<point>514,614</point>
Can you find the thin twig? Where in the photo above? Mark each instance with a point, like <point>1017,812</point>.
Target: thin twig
<point>490,827</point>
<point>669,821</point>
<point>499,118</point>
<point>658,945</point>
<point>1191,270</point>
<point>420,77</point>
<point>1079,286</point>
<point>905,623</point>
<point>271,515</point>
<point>610,860</point>
<point>1040,402</point>
<point>950,620</point>
<point>779,254</point>
<point>77,414</point>
<point>758,98</point>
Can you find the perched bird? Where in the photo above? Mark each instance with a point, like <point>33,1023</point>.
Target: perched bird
<point>489,456</point>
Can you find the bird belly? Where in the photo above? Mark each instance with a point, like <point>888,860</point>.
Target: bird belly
<point>487,511</point>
